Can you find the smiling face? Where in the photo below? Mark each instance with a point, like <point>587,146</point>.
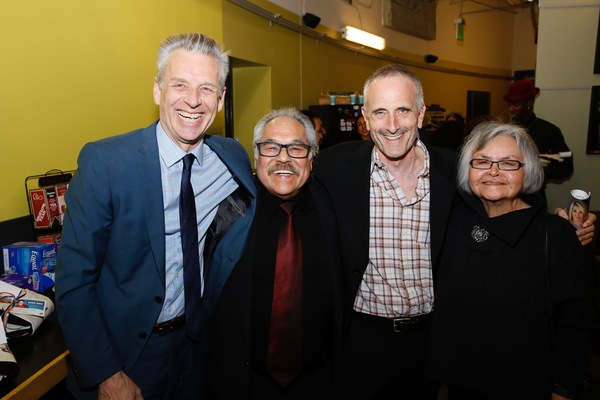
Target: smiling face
<point>393,116</point>
<point>189,97</point>
<point>577,214</point>
<point>498,190</point>
<point>282,175</point>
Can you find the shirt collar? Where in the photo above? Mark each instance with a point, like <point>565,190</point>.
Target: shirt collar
<point>509,227</point>
<point>376,162</point>
<point>171,153</point>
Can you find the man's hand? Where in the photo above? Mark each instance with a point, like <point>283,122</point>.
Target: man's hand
<point>119,387</point>
<point>586,232</point>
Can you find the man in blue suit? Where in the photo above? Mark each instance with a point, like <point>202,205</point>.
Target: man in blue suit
<point>119,284</point>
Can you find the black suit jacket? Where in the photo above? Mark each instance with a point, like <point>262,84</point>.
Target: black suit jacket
<point>344,170</point>
<point>229,368</point>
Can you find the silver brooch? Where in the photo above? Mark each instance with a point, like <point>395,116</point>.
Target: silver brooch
<point>479,234</point>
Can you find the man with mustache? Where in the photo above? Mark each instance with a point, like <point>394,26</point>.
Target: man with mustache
<point>242,328</point>
<point>392,199</point>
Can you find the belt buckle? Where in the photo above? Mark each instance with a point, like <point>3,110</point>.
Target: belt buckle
<point>161,329</point>
<point>168,326</point>
<point>404,325</point>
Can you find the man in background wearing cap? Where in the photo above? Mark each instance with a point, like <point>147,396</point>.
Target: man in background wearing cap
<point>548,137</point>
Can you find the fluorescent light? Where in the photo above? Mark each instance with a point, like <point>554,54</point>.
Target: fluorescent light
<point>365,38</point>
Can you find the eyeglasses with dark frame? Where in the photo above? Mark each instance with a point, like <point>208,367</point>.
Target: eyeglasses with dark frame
<point>503,165</point>
<point>272,149</point>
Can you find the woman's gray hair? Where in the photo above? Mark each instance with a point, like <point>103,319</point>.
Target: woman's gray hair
<point>196,43</point>
<point>392,70</point>
<point>292,113</point>
<point>486,131</point>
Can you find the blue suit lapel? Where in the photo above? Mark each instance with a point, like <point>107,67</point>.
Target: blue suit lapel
<point>148,172</point>
<point>231,248</point>
<point>237,167</point>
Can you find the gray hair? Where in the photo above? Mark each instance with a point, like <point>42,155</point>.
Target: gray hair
<point>196,43</point>
<point>392,70</point>
<point>292,113</point>
<point>486,131</point>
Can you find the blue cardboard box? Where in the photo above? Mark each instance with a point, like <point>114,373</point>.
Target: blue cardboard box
<point>29,265</point>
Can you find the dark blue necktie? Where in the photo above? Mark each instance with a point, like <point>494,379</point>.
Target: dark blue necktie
<point>189,243</point>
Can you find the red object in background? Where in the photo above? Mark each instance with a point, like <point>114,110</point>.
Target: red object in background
<point>39,207</point>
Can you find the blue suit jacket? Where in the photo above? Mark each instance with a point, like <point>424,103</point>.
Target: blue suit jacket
<point>110,280</point>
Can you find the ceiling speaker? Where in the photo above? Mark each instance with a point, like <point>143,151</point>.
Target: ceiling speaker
<point>311,20</point>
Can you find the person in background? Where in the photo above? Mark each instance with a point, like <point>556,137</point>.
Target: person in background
<point>514,299</point>
<point>317,124</point>
<point>242,336</point>
<point>548,137</point>
<point>120,275</point>
<point>361,128</point>
<point>450,133</point>
<point>454,116</point>
<point>391,236</point>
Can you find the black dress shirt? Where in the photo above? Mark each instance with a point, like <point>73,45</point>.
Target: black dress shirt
<point>317,296</point>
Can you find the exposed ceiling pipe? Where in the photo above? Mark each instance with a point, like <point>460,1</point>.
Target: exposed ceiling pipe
<point>491,8</point>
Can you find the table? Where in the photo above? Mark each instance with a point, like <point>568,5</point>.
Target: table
<point>42,360</point>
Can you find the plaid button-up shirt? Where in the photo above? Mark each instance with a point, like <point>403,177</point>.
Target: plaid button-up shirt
<point>398,280</point>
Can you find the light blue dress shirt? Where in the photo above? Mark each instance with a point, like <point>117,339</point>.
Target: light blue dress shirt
<point>212,182</point>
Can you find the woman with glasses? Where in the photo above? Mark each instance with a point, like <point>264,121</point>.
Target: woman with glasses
<point>513,315</point>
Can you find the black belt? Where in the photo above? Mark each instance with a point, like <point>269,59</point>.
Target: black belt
<point>170,325</point>
<point>399,325</point>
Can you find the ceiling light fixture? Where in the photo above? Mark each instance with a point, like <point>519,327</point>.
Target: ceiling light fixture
<point>361,37</point>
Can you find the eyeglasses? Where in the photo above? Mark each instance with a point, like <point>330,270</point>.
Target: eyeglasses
<point>272,149</point>
<point>503,165</point>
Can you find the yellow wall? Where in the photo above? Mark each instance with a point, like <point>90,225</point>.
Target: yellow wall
<point>79,71</point>
<point>252,100</point>
<point>75,71</point>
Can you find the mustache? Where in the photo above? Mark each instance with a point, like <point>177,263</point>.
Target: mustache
<point>279,166</point>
